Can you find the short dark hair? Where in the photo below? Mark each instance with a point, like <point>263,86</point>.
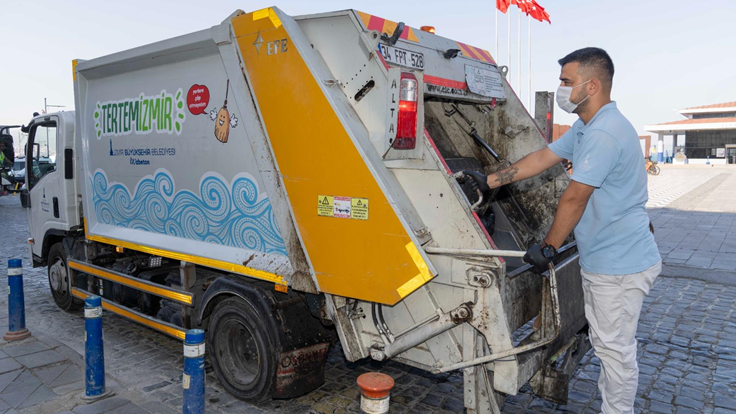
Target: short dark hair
<point>593,58</point>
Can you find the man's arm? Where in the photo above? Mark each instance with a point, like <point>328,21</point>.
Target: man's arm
<point>570,209</point>
<point>529,166</point>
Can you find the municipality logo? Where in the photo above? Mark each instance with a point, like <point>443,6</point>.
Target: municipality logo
<point>258,43</point>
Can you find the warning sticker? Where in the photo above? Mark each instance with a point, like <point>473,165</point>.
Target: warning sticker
<point>359,208</point>
<point>342,207</point>
<point>325,205</point>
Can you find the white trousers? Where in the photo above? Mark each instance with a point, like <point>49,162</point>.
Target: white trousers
<point>612,308</point>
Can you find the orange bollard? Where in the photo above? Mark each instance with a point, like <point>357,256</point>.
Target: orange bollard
<point>375,389</point>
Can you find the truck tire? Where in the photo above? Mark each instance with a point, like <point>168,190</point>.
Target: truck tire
<point>241,349</point>
<point>59,281</point>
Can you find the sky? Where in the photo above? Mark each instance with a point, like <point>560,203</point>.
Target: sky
<point>668,54</point>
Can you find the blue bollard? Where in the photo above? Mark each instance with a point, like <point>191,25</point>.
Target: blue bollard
<point>16,304</point>
<point>193,379</point>
<point>94,353</point>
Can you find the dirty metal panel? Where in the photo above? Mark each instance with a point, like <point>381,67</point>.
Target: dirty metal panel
<point>572,311</point>
<point>370,255</point>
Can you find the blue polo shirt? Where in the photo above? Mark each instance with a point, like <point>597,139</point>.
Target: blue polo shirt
<point>613,234</point>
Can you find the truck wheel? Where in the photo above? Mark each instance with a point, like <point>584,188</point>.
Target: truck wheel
<point>59,279</point>
<point>241,349</point>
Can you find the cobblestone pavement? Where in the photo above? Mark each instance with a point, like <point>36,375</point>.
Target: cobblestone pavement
<point>695,229</point>
<point>687,356</point>
<point>675,181</point>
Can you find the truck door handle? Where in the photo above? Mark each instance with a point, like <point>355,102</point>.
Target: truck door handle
<point>56,207</point>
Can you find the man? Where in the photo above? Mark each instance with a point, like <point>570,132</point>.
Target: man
<point>5,165</point>
<point>604,203</point>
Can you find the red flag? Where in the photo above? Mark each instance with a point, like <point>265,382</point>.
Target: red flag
<point>503,5</point>
<point>523,5</point>
<point>537,12</point>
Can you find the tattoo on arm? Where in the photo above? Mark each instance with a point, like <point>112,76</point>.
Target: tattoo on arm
<point>506,176</point>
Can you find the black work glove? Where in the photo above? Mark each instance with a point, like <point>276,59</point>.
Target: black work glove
<point>478,181</point>
<point>540,257</point>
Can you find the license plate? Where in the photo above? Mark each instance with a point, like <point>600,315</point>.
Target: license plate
<point>402,57</point>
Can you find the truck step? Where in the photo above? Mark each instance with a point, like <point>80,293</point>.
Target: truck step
<point>176,295</point>
<point>125,312</point>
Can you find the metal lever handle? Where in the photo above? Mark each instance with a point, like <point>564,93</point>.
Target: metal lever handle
<point>477,204</point>
<point>520,349</point>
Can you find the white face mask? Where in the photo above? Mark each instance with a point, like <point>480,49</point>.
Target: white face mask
<point>563,98</point>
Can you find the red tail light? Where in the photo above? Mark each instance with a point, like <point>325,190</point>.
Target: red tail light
<point>406,130</point>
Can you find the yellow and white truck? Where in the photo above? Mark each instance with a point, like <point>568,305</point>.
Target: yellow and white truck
<point>285,182</point>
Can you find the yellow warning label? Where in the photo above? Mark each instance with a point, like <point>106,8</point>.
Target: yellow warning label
<point>325,206</point>
<point>359,208</point>
<point>342,207</point>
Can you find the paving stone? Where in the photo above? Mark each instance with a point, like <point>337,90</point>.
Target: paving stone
<point>662,397</point>
<point>657,349</point>
<point>40,359</point>
<point>41,395</point>
<point>7,378</point>
<point>673,372</point>
<point>693,393</point>
<point>70,375</point>
<point>49,374</point>
<point>24,379</point>
<point>102,406</point>
<point>16,397</point>
<point>9,364</point>
<point>129,408</point>
<point>155,386</point>
<point>702,386</point>
<point>660,407</point>
<point>453,405</point>
<point>724,402</point>
<point>689,402</point>
<point>686,410</point>
<point>25,348</point>
<point>67,388</point>
<point>432,400</point>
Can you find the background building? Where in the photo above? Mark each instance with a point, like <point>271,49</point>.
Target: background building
<point>707,134</point>
<point>646,143</point>
<point>558,131</point>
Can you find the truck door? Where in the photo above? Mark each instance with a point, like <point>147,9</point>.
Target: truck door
<point>49,181</point>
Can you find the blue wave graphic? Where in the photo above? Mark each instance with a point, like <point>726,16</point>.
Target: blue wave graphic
<point>227,215</point>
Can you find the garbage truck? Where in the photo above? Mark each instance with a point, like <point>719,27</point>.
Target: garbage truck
<point>288,182</point>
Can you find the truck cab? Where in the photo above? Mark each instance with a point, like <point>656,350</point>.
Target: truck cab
<point>51,190</point>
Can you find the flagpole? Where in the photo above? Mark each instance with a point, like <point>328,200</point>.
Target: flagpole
<point>496,55</point>
<point>518,50</point>
<point>529,58</point>
<point>508,49</point>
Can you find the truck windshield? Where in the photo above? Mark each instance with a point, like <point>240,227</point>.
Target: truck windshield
<point>19,165</point>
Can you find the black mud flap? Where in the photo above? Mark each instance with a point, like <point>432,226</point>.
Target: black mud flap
<point>552,381</point>
<point>301,370</point>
